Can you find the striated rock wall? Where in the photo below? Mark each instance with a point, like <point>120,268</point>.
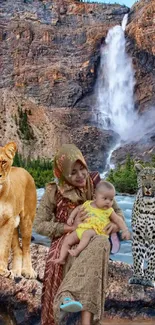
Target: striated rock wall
<point>49,47</point>
<point>141,46</point>
<point>50,53</point>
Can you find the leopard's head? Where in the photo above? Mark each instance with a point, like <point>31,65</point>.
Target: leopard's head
<point>146,180</point>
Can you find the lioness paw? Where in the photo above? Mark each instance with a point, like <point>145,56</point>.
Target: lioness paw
<point>29,273</point>
<point>17,273</point>
<point>6,273</point>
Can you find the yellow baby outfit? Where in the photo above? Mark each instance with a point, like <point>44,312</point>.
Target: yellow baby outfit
<point>98,220</point>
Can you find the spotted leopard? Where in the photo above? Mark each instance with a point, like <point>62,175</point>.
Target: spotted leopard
<point>143,228</point>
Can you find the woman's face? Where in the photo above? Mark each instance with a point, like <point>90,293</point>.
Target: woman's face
<point>78,175</point>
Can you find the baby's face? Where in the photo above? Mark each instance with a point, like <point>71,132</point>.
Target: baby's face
<point>104,198</point>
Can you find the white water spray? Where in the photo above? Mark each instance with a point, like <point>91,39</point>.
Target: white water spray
<point>115,84</point>
<point>124,21</point>
<point>109,165</point>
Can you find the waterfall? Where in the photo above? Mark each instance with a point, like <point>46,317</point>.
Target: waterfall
<point>115,84</point>
<point>124,21</point>
<point>109,165</point>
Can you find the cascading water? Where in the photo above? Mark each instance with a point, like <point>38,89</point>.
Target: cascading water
<point>115,87</point>
<point>109,165</point>
<point>124,21</point>
<point>115,84</point>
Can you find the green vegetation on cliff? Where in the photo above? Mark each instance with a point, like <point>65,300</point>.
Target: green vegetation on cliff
<point>40,169</point>
<point>124,177</point>
<point>24,128</point>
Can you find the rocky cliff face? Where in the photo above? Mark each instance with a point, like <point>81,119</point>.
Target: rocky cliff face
<point>50,53</point>
<point>141,46</point>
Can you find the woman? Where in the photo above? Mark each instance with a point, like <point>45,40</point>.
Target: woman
<point>83,278</point>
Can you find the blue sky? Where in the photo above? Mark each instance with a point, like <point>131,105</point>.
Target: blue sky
<point>128,3</point>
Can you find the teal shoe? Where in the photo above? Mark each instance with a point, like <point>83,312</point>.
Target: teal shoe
<point>71,306</point>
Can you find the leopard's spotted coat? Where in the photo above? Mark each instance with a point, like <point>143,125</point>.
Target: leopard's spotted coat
<point>143,227</point>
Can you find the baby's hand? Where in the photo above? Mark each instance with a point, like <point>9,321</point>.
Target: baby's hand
<point>126,234</point>
<point>70,222</point>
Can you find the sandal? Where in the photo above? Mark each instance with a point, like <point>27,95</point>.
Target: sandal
<point>71,306</point>
<point>115,243</point>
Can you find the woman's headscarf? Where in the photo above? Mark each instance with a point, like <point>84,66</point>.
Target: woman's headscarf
<point>64,161</point>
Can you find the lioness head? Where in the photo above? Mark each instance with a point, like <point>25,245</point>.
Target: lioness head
<point>146,180</point>
<point>6,159</point>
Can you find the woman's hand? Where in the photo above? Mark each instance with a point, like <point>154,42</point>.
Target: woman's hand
<point>126,234</point>
<point>73,226</point>
<point>110,228</point>
<point>68,228</point>
<point>76,222</point>
<point>82,215</point>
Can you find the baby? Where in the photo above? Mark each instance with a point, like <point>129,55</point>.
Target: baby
<point>100,213</point>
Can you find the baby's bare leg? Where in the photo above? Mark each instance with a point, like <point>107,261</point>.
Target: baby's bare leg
<point>86,317</point>
<point>69,241</point>
<point>86,237</point>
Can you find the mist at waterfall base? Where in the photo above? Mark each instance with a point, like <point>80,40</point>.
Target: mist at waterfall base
<point>124,254</point>
<point>115,109</point>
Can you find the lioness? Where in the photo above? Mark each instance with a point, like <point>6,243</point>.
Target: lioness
<point>17,207</point>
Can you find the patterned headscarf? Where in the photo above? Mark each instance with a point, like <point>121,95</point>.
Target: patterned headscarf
<point>64,161</point>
